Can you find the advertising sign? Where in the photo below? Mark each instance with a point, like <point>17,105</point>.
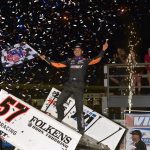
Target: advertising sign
<point>138,120</point>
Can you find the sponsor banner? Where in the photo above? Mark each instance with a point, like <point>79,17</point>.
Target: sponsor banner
<point>17,55</point>
<point>28,128</point>
<point>138,120</point>
<point>96,126</point>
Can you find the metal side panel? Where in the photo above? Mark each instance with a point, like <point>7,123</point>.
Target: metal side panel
<point>122,101</point>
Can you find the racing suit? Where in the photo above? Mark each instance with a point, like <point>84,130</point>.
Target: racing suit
<point>75,85</point>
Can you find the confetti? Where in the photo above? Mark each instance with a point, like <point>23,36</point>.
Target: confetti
<point>54,27</point>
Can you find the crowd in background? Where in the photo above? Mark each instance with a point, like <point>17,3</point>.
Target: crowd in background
<point>138,70</point>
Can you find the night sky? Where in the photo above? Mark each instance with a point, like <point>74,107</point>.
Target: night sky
<point>54,27</point>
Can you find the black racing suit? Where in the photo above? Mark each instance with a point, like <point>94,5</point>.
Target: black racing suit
<point>75,85</point>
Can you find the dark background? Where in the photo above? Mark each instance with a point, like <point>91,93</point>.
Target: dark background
<point>54,27</point>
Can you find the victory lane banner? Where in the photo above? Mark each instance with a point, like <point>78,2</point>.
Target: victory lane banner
<point>137,120</point>
<point>97,126</point>
<point>29,129</point>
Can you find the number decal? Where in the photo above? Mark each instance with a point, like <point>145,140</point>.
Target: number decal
<point>6,105</point>
<point>22,109</point>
